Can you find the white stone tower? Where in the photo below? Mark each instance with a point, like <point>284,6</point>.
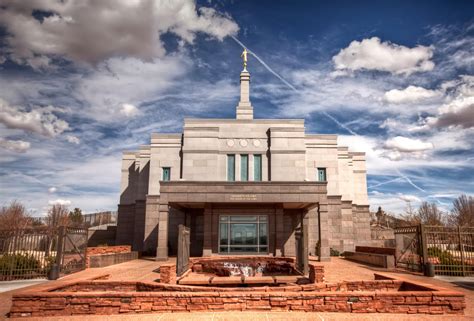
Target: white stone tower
<point>244,108</point>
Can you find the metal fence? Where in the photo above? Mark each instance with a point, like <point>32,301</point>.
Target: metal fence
<point>408,254</point>
<point>100,218</point>
<point>31,252</point>
<point>72,254</point>
<point>449,249</point>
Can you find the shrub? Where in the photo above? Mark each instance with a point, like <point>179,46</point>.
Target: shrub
<point>333,252</point>
<point>20,264</point>
<point>445,258</point>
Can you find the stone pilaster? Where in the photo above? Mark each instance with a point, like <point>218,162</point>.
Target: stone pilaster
<point>162,249</point>
<point>207,244</point>
<point>149,236</point>
<point>324,254</point>
<point>279,231</point>
<point>139,228</point>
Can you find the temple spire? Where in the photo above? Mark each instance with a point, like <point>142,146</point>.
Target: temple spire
<point>244,108</point>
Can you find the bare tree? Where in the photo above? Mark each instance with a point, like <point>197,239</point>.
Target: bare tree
<point>409,217</point>
<point>462,213</point>
<point>427,213</point>
<point>14,216</point>
<point>58,215</point>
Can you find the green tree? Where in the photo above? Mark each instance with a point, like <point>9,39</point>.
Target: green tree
<point>75,217</point>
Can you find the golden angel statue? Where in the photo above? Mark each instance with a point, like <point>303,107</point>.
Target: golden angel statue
<point>244,56</point>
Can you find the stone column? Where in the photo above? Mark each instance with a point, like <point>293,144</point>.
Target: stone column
<point>215,231</point>
<point>279,231</point>
<point>207,243</point>
<point>313,230</point>
<point>162,249</point>
<point>304,231</point>
<point>323,232</point>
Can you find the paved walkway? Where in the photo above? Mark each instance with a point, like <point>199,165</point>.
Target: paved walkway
<point>6,286</point>
<point>336,270</point>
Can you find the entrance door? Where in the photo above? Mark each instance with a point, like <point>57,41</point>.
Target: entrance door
<point>243,234</point>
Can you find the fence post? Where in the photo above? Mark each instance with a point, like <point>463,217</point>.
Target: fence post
<point>461,249</point>
<point>60,246</point>
<point>424,247</point>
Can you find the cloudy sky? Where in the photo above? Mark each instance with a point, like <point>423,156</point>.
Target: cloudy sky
<point>80,81</point>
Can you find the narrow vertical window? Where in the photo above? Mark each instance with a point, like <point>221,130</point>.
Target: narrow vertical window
<point>257,168</point>
<point>244,167</point>
<point>231,168</point>
<point>166,173</point>
<point>321,174</point>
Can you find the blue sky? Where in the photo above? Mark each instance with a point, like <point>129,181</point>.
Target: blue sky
<point>81,81</point>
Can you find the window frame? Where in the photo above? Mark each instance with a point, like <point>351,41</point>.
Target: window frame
<point>164,169</point>
<point>230,178</point>
<point>244,178</point>
<point>257,169</point>
<point>324,171</point>
<point>260,220</point>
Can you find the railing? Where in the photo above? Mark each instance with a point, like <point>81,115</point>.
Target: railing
<point>31,252</point>
<point>449,249</point>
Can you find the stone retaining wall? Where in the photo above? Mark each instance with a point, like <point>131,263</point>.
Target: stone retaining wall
<point>376,250</point>
<point>105,303</point>
<point>102,250</point>
<point>168,273</point>
<point>382,260</point>
<point>132,286</point>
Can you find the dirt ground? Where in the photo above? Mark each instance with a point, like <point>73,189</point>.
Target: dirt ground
<point>337,270</point>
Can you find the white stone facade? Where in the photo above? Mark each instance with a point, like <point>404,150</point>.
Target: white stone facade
<point>288,154</point>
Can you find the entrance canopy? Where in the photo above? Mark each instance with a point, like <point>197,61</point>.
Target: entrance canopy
<point>292,195</point>
<point>245,216</point>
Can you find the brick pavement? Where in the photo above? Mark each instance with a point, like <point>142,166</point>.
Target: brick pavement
<point>336,270</point>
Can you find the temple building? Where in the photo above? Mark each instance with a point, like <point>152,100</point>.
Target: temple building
<point>243,186</point>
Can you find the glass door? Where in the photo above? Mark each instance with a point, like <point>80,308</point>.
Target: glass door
<point>243,234</point>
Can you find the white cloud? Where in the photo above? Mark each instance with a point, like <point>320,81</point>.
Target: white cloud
<point>411,94</point>
<point>453,139</point>
<point>407,145</point>
<point>52,190</point>
<point>459,112</point>
<point>91,31</point>
<point>108,86</point>
<point>409,198</point>
<point>18,146</point>
<point>372,54</point>
<point>403,125</point>
<point>73,139</point>
<point>60,202</point>
<point>40,120</point>
<point>129,110</point>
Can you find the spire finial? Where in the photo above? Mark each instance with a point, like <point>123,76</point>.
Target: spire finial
<point>245,59</point>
